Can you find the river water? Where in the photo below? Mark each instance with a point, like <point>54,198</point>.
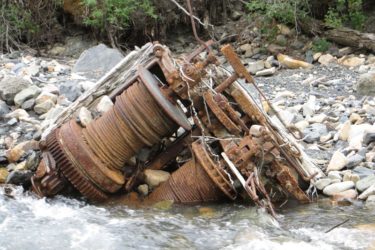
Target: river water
<point>61,223</point>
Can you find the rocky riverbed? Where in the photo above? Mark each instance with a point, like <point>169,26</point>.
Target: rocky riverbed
<point>328,98</point>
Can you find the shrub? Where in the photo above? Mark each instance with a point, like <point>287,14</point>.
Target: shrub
<point>114,16</point>
<point>320,45</point>
<point>346,12</point>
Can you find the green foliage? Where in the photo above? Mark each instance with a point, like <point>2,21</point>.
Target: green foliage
<point>115,15</point>
<point>16,25</point>
<point>346,12</point>
<point>321,45</point>
<point>285,11</point>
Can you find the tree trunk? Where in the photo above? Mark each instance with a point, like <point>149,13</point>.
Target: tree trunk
<point>343,36</point>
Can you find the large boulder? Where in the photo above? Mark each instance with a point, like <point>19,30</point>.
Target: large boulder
<point>96,61</point>
<point>10,86</point>
<point>366,84</point>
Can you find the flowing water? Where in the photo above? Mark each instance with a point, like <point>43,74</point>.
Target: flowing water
<point>62,223</point>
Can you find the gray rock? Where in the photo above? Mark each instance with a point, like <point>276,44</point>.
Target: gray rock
<point>28,105</point>
<point>26,94</point>
<point>313,132</point>
<point>368,138</point>
<point>354,160</point>
<point>370,202</point>
<point>365,183</point>
<point>4,109</point>
<point>70,90</point>
<point>44,107</point>
<point>96,61</point>
<point>266,72</point>
<point>322,183</point>
<point>338,187</point>
<point>10,86</point>
<point>12,122</point>
<point>20,177</point>
<point>281,40</point>
<point>363,172</point>
<point>254,67</point>
<point>335,175</point>
<point>366,84</point>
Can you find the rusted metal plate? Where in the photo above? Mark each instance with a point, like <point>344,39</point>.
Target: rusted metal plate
<point>173,111</point>
<point>288,182</point>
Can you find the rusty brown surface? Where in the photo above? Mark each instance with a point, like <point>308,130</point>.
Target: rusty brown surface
<point>107,157</point>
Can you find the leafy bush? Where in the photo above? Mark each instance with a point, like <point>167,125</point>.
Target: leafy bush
<point>28,22</point>
<point>346,12</point>
<point>320,45</point>
<point>114,16</point>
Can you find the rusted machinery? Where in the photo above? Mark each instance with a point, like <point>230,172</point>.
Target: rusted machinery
<point>229,144</point>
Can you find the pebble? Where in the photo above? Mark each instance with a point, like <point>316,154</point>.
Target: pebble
<point>154,178</point>
<point>337,162</point>
<point>44,107</point>
<point>26,94</point>
<point>350,194</point>
<point>105,103</point>
<point>365,183</point>
<point>84,116</point>
<point>349,176</point>
<point>354,160</point>
<point>254,67</point>
<point>336,188</point>
<point>326,59</point>
<point>344,131</point>
<point>369,191</point>
<point>266,72</point>
<point>143,189</point>
<point>322,183</point>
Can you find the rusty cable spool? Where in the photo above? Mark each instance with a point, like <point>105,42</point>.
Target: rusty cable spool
<point>92,158</point>
<point>198,180</point>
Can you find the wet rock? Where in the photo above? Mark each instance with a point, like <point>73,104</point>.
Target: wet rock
<point>336,188</point>
<point>266,72</point>
<point>350,194</point>
<point>3,175</point>
<point>326,59</point>
<point>20,177</point>
<point>14,154</point>
<point>43,107</point>
<point>254,67</point>
<point>366,84</point>
<point>354,160</point>
<point>96,61</point>
<point>369,191</point>
<point>143,189</point>
<point>337,162</point>
<point>12,122</point>
<point>26,94</point>
<point>84,116</point>
<point>313,132</point>
<point>322,183</point>
<point>351,61</point>
<point>365,183</point>
<point>70,90</point>
<point>154,178</point>
<point>370,201</point>
<point>291,63</point>
<point>104,104</point>
<point>4,109</point>
<point>10,86</point>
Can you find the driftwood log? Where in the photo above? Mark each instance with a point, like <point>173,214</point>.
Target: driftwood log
<point>343,36</point>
